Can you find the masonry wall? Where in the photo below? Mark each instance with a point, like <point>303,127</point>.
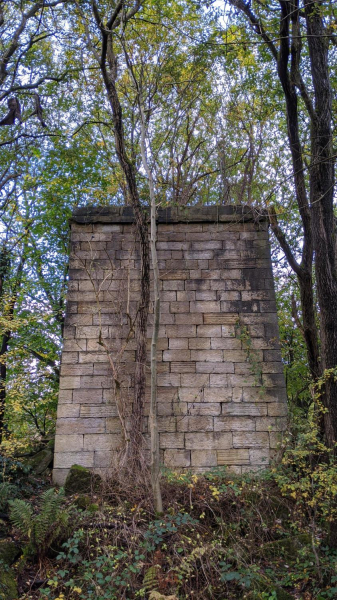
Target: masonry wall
<point>221,390</point>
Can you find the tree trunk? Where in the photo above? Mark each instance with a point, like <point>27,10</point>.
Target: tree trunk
<point>153,423</point>
<point>109,71</point>
<point>321,200</point>
<point>3,376</point>
<point>8,314</point>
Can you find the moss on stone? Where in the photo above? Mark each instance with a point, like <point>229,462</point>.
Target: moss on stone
<point>8,584</point>
<point>83,501</point>
<point>288,547</point>
<point>80,481</point>
<point>9,552</point>
<point>41,461</point>
<point>4,528</point>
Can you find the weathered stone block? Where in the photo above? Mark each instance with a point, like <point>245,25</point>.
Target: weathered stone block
<point>178,331</point>
<point>172,440</point>
<point>190,394</point>
<point>199,343</point>
<point>179,307</point>
<point>183,367</point>
<point>174,275</point>
<point>113,424</point>
<point>177,458</point>
<point>198,423</point>
<point>218,380</point>
<point>92,396</point>
<point>167,424</point>
<point>69,370</point>
<point>233,457</point>
<point>206,295</point>
<point>107,441</point>
<point>185,296</point>
<point>177,355</point>
<point>218,394</point>
<point>208,441</point>
<point>169,379</point>
<point>65,460</point>
<point>70,383</point>
<point>206,355</point>
<point>250,440</point>
<point>80,425</point>
<point>188,319</point>
<point>173,285</point>
<point>68,443</point>
<point>209,331</point>
<point>197,284</point>
<point>204,408</point>
<point>195,380</point>
<point>226,343</point>
<point>96,381</point>
<point>105,458</point>
<point>65,397</point>
<point>277,409</point>
<point>245,409</point>
<point>271,424</point>
<point>204,458</point>
<point>259,456</point>
<point>214,367</point>
<point>68,410</point>
<point>234,424</point>
<point>205,307</point>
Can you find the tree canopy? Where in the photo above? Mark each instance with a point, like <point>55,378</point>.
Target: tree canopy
<point>235,108</point>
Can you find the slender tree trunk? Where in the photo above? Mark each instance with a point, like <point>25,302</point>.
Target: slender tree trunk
<point>309,323</point>
<point>4,268</point>
<point>153,422</point>
<point>108,65</point>
<point>3,376</point>
<point>6,336</point>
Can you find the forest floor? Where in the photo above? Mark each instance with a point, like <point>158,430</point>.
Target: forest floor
<point>220,537</point>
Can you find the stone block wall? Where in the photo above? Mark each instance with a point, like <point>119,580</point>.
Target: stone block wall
<point>221,389</point>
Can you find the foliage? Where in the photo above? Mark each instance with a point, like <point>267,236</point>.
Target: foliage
<point>217,132</point>
<point>8,491</point>
<point>238,536</point>
<point>308,471</point>
<point>43,528</point>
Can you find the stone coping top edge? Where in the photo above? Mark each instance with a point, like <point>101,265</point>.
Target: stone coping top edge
<point>186,214</point>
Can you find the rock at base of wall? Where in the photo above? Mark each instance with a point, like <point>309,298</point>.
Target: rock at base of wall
<point>81,481</point>
<point>9,552</point>
<point>8,585</point>
<point>42,460</point>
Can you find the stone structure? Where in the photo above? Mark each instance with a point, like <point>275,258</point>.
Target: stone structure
<point>221,390</point>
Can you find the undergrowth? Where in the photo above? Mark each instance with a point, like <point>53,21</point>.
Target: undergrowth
<point>257,536</point>
<point>221,537</point>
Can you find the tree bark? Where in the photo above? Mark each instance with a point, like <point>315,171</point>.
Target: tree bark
<point>108,66</point>
<point>6,336</point>
<point>287,58</point>
<point>321,200</point>
<point>153,422</point>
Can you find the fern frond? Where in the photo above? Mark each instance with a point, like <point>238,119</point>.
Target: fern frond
<point>157,596</point>
<point>150,581</point>
<point>21,515</point>
<point>44,527</point>
<point>48,517</point>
